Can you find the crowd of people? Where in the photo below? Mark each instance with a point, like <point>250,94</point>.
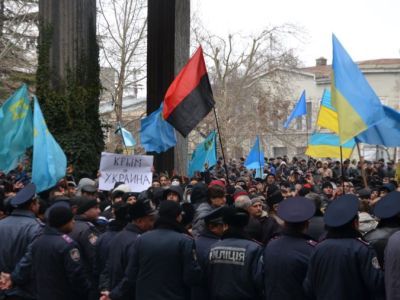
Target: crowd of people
<point>307,230</point>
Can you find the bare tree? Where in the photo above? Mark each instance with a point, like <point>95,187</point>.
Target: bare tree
<point>122,29</point>
<point>18,34</point>
<point>248,87</point>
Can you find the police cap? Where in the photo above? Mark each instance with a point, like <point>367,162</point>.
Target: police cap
<point>388,206</point>
<point>24,195</point>
<point>296,209</point>
<point>236,217</point>
<point>341,211</point>
<point>214,217</point>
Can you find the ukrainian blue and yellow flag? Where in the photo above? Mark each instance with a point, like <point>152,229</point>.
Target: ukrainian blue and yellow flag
<point>49,163</point>
<point>357,105</point>
<point>327,116</point>
<point>328,145</point>
<point>15,129</point>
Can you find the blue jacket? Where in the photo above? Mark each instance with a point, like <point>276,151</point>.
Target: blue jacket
<point>58,267</point>
<point>164,263</point>
<point>17,232</point>
<point>344,268</point>
<point>121,253</point>
<point>285,266</point>
<point>234,268</point>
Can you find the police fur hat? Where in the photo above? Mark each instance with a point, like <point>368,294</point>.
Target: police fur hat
<point>59,216</point>
<point>169,210</point>
<point>236,217</point>
<point>84,204</point>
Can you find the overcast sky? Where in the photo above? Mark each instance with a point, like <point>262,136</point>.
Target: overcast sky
<point>368,29</point>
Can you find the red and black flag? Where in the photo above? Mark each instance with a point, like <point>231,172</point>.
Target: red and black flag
<point>189,98</point>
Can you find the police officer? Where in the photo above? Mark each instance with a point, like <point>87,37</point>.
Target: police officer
<point>86,234</point>
<point>17,233</point>
<point>117,277</point>
<point>286,257</point>
<point>343,266</point>
<point>164,262</point>
<point>57,260</point>
<point>103,243</point>
<point>212,233</point>
<point>387,210</point>
<point>234,267</point>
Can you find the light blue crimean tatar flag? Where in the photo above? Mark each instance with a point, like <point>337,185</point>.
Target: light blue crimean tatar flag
<point>255,159</point>
<point>127,137</point>
<point>299,110</point>
<point>49,162</point>
<point>205,152</point>
<point>15,129</point>
<point>156,134</point>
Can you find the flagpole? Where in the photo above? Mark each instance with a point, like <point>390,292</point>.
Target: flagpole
<point>341,168</point>
<point>362,166</point>
<point>259,160</point>
<point>222,148</point>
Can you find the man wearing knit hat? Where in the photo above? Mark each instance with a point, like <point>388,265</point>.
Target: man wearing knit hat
<point>286,257</point>
<point>85,232</point>
<point>158,253</point>
<point>57,260</point>
<point>343,266</point>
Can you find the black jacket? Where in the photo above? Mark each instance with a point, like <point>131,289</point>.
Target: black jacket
<point>234,268</point>
<point>58,267</point>
<point>343,266</point>
<point>379,237</point>
<point>17,233</point>
<point>164,263</point>
<point>285,266</point>
<point>120,256</point>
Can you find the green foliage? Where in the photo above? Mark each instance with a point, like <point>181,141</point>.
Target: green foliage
<point>71,107</point>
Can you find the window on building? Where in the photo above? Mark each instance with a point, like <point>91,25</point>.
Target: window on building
<point>300,151</point>
<point>280,151</point>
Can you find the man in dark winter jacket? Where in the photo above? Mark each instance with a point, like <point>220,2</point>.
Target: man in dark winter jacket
<point>343,266</point>
<point>57,261</point>
<point>286,257</point>
<point>234,267</point>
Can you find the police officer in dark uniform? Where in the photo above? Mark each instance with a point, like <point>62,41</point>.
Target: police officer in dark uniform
<point>85,234</point>
<point>116,277</point>
<point>234,267</point>
<point>212,233</point>
<point>164,262</point>
<point>387,210</point>
<point>343,266</point>
<point>103,243</point>
<point>17,233</point>
<point>57,260</point>
<point>286,257</point>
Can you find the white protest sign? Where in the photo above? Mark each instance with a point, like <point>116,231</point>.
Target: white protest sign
<point>133,170</point>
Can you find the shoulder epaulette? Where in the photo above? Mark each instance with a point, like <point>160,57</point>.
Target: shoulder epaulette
<point>312,243</point>
<point>188,236</point>
<point>67,238</point>
<point>257,242</point>
<point>362,241</point>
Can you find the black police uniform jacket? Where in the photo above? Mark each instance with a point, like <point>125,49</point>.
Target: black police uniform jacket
<point>234,268</point>
<point>164,263</point>
<point>343,266</point>
<point>17,233</point>
<point>203,245</point>
<point>103,244</point>
<point>86,234</point>
<point>58,267</point>
<point>121,285</point>
<point>285,265</point>
<point>379,237</point>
